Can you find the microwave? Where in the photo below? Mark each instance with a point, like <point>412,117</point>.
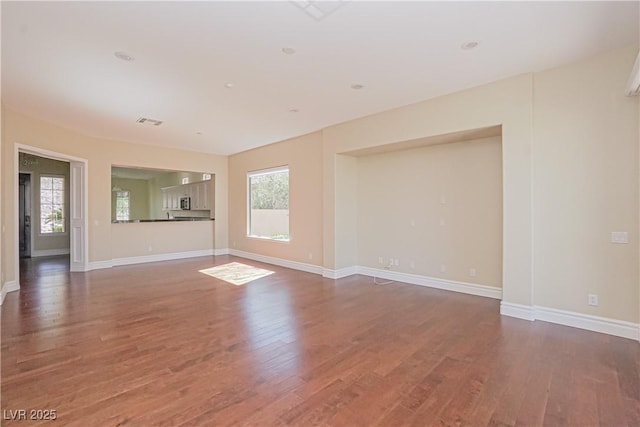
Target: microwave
<point>185,203</point>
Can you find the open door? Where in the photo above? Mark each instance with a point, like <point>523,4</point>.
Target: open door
<point>78,237</point>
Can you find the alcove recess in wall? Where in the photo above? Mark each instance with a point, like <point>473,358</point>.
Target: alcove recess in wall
<point>434,204</point>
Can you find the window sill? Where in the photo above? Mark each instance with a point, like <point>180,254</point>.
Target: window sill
<point>269,239</point>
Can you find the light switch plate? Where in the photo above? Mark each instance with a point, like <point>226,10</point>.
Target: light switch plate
<point>619,237</point>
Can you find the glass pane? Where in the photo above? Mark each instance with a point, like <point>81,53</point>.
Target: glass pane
<point>58,198</point>
<point>58,184</point>
<point>45,183</point>
<point>269,205</point>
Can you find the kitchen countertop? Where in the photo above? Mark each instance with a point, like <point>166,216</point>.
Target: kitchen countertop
<point>183,219</point>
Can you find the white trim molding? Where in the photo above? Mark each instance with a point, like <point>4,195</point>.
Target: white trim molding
<point>295,265</point>
<point>519,311</point>
<point>339,273</point>
<point>605,325</point>
<point>161,257</point>
<point>10,286</point>
<point>99,265</point>
<point>49,252</point>
<point>434,282</point>
<point>224,251</point>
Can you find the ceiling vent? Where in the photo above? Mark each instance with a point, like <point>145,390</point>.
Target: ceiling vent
<point>633,86</point>
<point>149,121</point>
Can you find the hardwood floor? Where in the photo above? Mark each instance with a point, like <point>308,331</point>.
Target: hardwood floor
<point>163,344</point>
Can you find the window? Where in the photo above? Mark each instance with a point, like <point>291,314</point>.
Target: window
<point>122,206</point>
<point>52,204</point>
<point>268,212</point>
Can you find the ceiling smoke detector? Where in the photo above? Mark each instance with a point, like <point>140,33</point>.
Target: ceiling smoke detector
<point>149,121</point>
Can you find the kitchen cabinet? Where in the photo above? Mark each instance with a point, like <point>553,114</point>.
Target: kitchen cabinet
<point>198,192</point>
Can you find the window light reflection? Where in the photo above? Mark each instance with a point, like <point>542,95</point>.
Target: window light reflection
<point>236,273</point>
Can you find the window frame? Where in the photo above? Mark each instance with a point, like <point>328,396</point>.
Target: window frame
<point>128,204</point>
<point>259,172</point>
<point>64,203</point>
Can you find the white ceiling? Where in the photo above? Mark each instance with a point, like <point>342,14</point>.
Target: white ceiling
<point>58,61</point>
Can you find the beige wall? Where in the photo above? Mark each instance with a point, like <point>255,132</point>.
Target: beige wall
<point>105,243</point>
<point>586,186</point>
<point>581,144</point>
<point>46,242</point>
<point>302,155</point>
<point>3,196</point>
<point>346,212</point>
<point>569,177</point>
<point>161,238</point>
<point>431,207</point>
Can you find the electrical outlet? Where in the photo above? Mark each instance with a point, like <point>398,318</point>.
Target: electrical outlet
<point>472,272</point>
<point>593,299</point>
<point>441,222</point>
<point>619,237</point>
<point>412,265</point>
<point>310,255</point>
<point>396,262</point>
<point>150,248</point>
<point>443,268</point>
<point>380,260</point>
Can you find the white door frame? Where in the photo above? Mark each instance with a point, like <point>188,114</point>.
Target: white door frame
<point>81,206</point>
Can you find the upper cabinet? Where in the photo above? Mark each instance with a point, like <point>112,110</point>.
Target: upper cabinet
<point>198,193</point>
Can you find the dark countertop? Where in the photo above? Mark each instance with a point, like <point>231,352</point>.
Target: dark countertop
<point>182,219</point>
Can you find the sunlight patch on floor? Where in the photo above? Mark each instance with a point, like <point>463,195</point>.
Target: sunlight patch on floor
<point>236,273</point>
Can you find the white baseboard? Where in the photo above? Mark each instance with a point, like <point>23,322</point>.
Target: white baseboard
<point>49,252</point>
<point>161,257</point>
<point>433,282</point>
<point>525,312</point>
<point>98,265</point>
<point>295,265</point>
<point>605,325</point>
<point>339,273</point>
<point>10,286</point>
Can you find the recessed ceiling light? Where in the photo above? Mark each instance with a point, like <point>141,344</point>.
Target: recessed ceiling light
<point>294,110</point>
<point>288,50</point>
<point>357,86</point>
<point>469,45</point>
<point>228,85</point>
<point>124,56</point>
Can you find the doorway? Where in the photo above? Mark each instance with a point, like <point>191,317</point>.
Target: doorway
<point>24,214</point>
<point>74,257</point>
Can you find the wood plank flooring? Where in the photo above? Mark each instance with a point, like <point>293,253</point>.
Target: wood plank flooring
<point>163,344</point>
